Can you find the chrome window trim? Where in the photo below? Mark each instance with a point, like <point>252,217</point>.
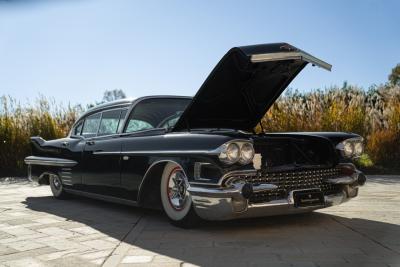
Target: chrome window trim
<point>257,58</point>
<point>120,125</point>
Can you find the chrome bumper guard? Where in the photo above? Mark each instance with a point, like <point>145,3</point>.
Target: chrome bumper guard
<point>232,203</point>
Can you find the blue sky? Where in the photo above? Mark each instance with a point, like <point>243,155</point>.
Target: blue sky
<point>74,50</point>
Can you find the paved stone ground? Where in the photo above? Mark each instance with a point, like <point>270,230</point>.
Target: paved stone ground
<point>37,230</point>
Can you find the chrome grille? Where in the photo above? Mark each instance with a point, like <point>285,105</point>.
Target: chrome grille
<point>292,180</point>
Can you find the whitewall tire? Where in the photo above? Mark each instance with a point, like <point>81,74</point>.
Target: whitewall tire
<point>175,198</point>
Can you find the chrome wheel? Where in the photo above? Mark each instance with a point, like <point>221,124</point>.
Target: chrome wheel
<point>56,182</point>
<point>176,189</point>
<point>175,197</point>
<point>57,187</point>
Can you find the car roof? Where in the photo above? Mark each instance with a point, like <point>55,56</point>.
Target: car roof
<point>127,102</point>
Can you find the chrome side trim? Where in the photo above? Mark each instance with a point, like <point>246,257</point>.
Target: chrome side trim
<point>102,197</point>
<point>159,152</point>
<point>291,55</point>
<point>34,160</point>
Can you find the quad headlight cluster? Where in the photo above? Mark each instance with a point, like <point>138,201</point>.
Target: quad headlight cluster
<point>236,151</point>
<point>351,148</point>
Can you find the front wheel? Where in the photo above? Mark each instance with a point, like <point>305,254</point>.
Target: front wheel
<point>175,198</point>
<point>57,187</point>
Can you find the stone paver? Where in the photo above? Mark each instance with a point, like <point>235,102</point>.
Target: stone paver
<point>37,230</point>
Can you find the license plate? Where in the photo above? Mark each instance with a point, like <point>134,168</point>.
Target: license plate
<point>307,198</point>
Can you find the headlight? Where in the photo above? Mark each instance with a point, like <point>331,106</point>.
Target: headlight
<point>348,149</point>
<point>236,151</point>
<point>351,148</point>
<point>230,153</point>
<point>246,153</point>
<point>358,148</point>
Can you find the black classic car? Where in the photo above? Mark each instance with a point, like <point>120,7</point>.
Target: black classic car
<point>201,157</point>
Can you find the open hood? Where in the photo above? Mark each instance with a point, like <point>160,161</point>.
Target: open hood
<point>244,85</point>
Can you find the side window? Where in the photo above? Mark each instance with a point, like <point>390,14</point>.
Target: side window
<point>78,129</point>
<point>137,125</point>
<point>91,125</point>
<point>109,122</point>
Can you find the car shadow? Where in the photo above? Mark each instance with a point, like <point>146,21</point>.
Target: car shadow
<point>309,237</point>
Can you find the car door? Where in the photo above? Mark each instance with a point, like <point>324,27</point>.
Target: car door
<point>148,120</point>
<point>101,154</point>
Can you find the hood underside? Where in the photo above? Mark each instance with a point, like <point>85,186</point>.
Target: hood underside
<point>244,85</point>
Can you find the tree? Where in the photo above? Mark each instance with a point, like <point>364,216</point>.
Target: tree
<point>111,95</point>
<point>394,77</point>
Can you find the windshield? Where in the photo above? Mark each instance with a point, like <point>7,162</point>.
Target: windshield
<point>156,113</point>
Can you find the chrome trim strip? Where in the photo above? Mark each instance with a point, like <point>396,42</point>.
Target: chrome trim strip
<point>291,55</point>
<point>235,191</point>
<point>226,175</point>
<point>234,173</point>
<point>161,152</point>
<point>34,160</point>
<point>102,197</point>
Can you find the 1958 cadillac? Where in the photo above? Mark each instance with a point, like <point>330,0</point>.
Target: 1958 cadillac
<point>200,157</point>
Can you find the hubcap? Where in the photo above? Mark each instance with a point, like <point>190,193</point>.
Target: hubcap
<point>176,189</point>
<point>56,183</point>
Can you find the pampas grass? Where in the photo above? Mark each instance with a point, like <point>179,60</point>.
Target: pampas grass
<point>374,114</point>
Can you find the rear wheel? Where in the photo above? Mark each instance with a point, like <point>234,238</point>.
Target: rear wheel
<point>175,198</point>
<point>57,187</point>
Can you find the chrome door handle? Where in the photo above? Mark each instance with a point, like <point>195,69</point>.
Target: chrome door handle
<point>90,143</point>
<point>65,143</point>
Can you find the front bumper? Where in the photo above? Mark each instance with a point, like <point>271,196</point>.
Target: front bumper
<point>231,203</point>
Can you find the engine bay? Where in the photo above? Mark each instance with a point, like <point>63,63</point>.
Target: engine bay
<point>286,152</point>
